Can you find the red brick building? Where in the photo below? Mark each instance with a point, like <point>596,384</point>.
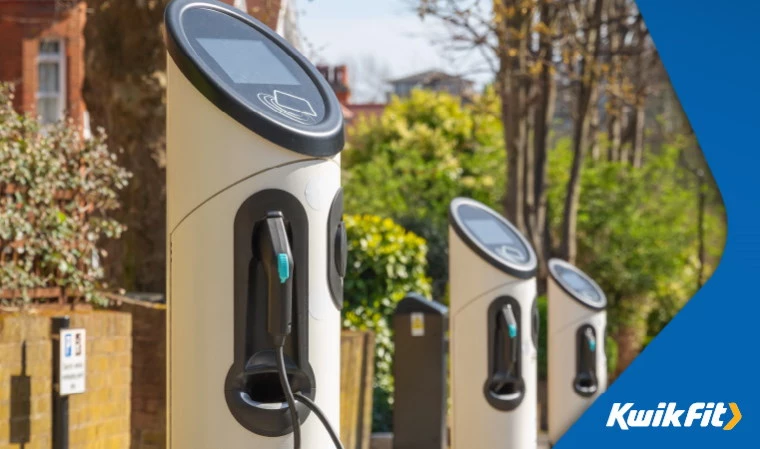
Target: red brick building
<point>41,53</point>
<point>338,78</point>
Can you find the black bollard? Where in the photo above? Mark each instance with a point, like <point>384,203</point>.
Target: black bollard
<point>420,370</point>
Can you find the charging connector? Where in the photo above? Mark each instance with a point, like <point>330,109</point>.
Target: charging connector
<point>277,260</point>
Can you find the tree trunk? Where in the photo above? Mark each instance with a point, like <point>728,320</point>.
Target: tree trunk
<point>631,330</point>
<point>124,90</point>
<point>641,80</point>
<point>637,150</point>
<point>630,341</point>
<point>529,188</point>
<point>513,44</point>
<point>615,106</point>
<point>572,198</point>
<point>587,92</point>
<point>543,116</point>
<point>511,117</point>
<point>614,129</point>
<point>596,150</point>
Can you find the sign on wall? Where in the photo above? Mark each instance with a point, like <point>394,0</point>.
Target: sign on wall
<point>73,361</point>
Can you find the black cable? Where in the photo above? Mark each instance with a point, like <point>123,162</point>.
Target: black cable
<point>285,385</point>
<point>317,411</point>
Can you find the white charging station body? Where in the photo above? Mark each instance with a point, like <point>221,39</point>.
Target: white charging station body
<point>576,312</point>
<point>492,271</point>
<point>221,153</point>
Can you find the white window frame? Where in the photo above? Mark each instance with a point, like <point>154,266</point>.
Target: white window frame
<point>60,58</point>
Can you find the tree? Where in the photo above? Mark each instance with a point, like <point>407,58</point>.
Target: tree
<point>583,66</point>
<point>537,48</point>
<point>636,235</point>
<point>125,92</point>
<point>125,88</point>
<point>584,75</point>
<point>424,151</point>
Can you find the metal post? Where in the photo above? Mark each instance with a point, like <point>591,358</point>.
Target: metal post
<point>60,403</point>
<point>420,369</point>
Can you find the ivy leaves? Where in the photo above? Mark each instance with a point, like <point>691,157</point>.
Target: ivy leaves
<point>56,190</point>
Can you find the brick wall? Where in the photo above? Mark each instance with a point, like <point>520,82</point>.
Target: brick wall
<point>25,381</point>
<point>98,418</point>
<point>22,25</point>
<point>148,372</point>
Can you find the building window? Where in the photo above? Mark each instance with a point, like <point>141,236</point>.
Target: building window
<point>51,82</point>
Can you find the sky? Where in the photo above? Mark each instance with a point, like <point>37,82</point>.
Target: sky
<point>377,39</point>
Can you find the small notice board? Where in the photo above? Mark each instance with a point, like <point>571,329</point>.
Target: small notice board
<point>73,362</point>
<point>418,324</point>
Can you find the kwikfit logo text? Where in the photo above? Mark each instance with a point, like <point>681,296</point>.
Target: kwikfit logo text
<point>667,414</point>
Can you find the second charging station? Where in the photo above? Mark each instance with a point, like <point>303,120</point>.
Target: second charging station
<point>493,330</point>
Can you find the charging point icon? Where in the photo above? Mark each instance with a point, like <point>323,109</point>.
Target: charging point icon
<point>288,105</point>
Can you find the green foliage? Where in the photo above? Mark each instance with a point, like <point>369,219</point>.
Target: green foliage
<point>424,151</point>
<point>543,329</point>
<point>56,190</point>
<point>385,262</point>
<point>611,351</point>
<point>636,229</point>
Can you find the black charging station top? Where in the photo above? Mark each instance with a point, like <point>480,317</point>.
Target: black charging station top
<point>493,238</point>
<point>577,284</point>
<point>254,76</point>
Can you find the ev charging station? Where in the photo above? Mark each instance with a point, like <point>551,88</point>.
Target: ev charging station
<point>493,330</point>
<point>577,365</point>
<point>256,243</point>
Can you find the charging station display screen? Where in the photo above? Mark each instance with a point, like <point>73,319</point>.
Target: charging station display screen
<point>489,232</point>
<point>579,285</point>
<point>493,235</point>
<point>574,281</point>
<point>248,61</point>
<point>252,68</point>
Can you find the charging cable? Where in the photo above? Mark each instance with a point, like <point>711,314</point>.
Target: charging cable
<point>285,385</point>
<point>291,399</point>
<point>317,411</point>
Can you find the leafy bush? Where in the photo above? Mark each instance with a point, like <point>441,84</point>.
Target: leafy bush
<point>634,225</point>
<point>56,189</point>
<point>636,236</point>
<point>611,351</point>
<point>424,151</point>
<point>385,263</point>
<point>543,332</point>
